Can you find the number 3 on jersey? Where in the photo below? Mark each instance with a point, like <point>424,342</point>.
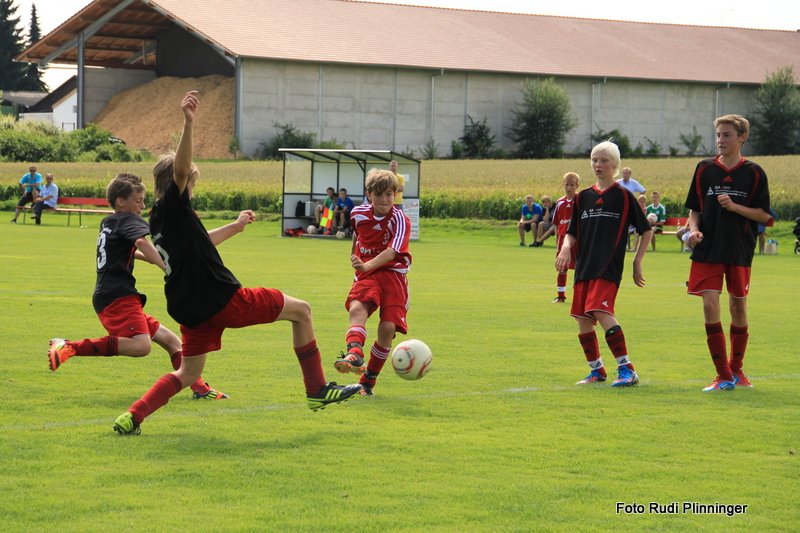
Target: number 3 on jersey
<point>165,257</point>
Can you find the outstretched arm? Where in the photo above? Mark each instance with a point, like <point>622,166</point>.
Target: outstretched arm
<point>220,235</point>
<point>183,156</point>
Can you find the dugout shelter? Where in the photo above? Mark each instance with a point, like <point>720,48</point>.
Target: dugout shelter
<point>307,172</point>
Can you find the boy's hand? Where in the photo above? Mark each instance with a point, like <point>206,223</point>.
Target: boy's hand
<point>638,279</point>
<point>358,264</point>
<point>189,105</point>
<point>694,238</point>
<point>562,259</point>
<point>246,217</point>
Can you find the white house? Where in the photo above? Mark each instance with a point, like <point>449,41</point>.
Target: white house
<point>60,107</point>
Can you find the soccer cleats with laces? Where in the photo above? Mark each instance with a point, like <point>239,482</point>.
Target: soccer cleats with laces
<point>332,393</point>
<point>125,425</point>
<point>594,377</point>
<point>741,380</point>
<point>626,378</point>
<point>352,362</point>
<point>59,352</point>
<point>720,384</point>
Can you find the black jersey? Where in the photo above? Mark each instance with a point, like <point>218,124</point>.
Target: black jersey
<point>197,284</point>
<point>599,222</point>
<point>116,245</point>
<point>728,238</point>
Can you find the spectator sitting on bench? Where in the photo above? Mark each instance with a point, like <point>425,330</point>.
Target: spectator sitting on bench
<point>29,186</point>
<point>660,212</point>
<point>330,203</point>
<point>48,198</point>
<point>341,214</point>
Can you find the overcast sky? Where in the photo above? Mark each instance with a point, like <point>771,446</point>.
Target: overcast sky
<point>766,14</point>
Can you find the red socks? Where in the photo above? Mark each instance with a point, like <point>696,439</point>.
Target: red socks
<point>561,285</point>
<point>103,346</point>
<point>615,339</point>
<point>739,338</point>
<point>311,366</point>
<point>356,335</point>
<point>716,346</point>
<point>591,348</point>
<point>159,394</point>
<point>377,358</point>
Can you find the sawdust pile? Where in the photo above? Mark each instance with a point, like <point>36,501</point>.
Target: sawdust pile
<point>149,116</point>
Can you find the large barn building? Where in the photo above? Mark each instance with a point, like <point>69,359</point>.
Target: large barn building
<point>384,76</point>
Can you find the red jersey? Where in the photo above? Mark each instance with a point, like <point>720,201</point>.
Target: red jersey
<point>562,215</point>
<point>374,234</point>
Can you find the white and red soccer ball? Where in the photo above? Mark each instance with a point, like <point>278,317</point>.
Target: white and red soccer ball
<point>411,359</point>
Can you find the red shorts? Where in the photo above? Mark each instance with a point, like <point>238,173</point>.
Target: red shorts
<point>593,296</point>
<point>705,277</point>
<point>125,317</point>
<point>558,249</point>
<point>386,289</point>
<point>247,307</point>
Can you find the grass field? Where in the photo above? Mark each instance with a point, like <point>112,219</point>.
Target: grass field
<point>495,438</point>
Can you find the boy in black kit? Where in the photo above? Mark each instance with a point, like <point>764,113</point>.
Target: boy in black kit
<point>204,297</point>
<point>728,198</point>
<point>119,306</point>
<point>599,232</point>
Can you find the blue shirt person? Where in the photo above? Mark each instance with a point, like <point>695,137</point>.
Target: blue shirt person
<point>341,213</point>
<point>48,198</point>
<point>29,185</point>
<point>531,214</point>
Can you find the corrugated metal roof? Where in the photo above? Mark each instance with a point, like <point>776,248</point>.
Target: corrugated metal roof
<point>345,31</point>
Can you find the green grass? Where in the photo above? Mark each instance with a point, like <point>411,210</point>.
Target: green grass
<point>495,438</point>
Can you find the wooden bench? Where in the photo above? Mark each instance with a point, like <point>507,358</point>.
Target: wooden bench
<point>673,222</point>
<point>80,207</point>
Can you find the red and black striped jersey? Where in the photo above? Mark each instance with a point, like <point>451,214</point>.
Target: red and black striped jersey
<point>728,237</point>
<point>599,223</point>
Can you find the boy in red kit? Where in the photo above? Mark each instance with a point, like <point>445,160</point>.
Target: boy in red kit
<point>204,297</point>
<point>119,306</point>
<point>598,233</point>
<point>728,198</point>
<point>562,214</point>
<point>381,260</point>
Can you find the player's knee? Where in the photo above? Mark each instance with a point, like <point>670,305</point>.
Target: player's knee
<point>140,347</point>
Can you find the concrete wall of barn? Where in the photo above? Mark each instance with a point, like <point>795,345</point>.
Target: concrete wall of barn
<point>368,107</point>
<point>102,84</point>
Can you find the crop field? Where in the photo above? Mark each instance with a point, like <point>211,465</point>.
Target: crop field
<point>506,181</point>
<point>495,438</point>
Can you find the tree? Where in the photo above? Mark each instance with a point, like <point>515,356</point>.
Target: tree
<point>33,72</point>
<point>478,139</point>
<point>776,114</point>
<point>541,123</point>
<point>11,45</point>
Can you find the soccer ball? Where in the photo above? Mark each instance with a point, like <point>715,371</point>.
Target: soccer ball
<point>411,359</point>
<point>312,229</point>
<point>652,218</point>
<point>340,235</point>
